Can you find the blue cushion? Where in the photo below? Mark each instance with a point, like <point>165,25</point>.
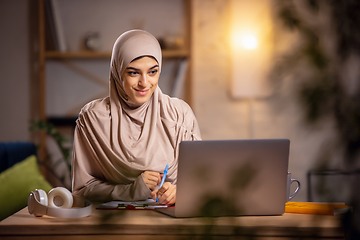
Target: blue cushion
<point>3,157</point>
<point>14,152</point>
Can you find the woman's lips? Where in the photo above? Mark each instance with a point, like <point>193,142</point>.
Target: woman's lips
<point>142,92</point>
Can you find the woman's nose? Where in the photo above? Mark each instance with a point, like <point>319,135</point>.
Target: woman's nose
<point>143,80</point>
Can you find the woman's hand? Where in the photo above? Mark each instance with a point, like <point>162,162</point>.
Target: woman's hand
<point>166,194</point>
<point>151,179</point>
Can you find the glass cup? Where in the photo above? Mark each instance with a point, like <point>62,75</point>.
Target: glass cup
<point>289,182</point>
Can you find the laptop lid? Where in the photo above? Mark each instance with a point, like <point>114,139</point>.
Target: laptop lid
<point>231,178</point>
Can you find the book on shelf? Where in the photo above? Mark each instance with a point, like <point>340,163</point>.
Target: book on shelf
<point>51,43</point>
<point>54,34</point>
<point>317,208</point>
<point>179,84</point>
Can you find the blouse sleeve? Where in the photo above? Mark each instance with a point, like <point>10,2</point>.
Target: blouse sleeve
<point>196,136</point>
<point>88,181</point>
<point>189,122</point>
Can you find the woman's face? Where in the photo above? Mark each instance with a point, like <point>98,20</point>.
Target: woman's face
<point>141,79</point>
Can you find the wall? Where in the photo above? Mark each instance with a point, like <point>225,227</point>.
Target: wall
<point>15,97</point>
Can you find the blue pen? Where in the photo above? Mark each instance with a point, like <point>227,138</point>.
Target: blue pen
<point>163,178</point>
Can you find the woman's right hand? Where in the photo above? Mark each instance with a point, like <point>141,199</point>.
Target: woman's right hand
<point>151,179</point>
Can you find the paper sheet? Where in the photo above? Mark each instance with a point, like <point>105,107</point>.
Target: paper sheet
<point>146,204</point>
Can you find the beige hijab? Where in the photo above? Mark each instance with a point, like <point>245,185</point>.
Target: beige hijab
<point>116,140</point>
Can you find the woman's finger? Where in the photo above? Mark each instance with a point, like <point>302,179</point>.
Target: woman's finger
<point>153,194</point>
<point>167,194</point>
<point>170,199</point>
<point>155,176</point>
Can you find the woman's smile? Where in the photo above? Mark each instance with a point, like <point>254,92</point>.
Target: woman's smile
<point>142,92</point>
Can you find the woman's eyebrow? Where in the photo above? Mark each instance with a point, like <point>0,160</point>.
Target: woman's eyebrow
<point>137,69</point>
<point>154,66</point>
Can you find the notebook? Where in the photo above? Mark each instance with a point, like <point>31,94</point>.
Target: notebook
<point>231,178</point>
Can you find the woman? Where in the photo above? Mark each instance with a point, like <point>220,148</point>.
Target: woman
<point>123,142</point>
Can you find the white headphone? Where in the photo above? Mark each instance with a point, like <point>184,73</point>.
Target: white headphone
<point>58,203</point>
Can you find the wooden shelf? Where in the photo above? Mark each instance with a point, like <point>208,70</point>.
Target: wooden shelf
<point>88,54</point>
<point>83,54</point>
<point>175,53</point>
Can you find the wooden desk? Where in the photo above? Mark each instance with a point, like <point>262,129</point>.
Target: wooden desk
<point>148,224</point>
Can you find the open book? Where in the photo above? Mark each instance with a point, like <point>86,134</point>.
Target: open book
<point>146,204</point>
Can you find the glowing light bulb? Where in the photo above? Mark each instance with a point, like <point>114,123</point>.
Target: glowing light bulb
<point>249,42</point>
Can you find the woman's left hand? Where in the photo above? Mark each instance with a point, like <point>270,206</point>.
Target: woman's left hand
<point>166,194</point>
<point>151,179</point>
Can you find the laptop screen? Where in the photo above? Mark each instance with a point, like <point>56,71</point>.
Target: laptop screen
<point>232,177</point>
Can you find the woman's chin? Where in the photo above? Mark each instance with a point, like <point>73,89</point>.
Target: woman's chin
<point>141,99</point>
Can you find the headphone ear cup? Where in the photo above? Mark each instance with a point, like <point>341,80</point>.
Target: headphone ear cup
<point>42,196</point>
<point>38,195</point>
<point>60,197</point>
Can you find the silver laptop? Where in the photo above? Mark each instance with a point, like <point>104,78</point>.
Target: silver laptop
<point>231,178</point>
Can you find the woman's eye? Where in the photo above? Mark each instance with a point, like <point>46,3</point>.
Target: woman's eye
<point>132,74</point>
<point>153,72</point>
